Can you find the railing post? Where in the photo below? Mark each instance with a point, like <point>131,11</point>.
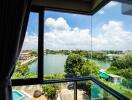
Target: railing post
<point>75,90</point>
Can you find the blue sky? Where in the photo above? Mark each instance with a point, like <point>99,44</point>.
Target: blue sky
<point>108,24</point>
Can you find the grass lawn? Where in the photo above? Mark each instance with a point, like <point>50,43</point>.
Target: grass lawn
<point>121,89</point>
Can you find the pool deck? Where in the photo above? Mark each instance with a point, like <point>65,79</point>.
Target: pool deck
<point>67,94</point>
<point>30,91</point>
<point>64,94</point>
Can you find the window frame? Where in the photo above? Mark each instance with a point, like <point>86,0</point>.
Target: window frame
<point>41,80</point>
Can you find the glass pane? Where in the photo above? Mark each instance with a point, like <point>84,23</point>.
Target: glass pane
<point>88,90</point>
<point>57,91</point>
<point>112,50</point>
<point>26,65</point>
<point>67,44</point>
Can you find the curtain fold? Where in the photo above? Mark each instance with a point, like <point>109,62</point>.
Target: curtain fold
<point>14,16</point>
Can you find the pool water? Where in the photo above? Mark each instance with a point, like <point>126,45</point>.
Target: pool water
<point>16,95</point>
<point>96,91</point>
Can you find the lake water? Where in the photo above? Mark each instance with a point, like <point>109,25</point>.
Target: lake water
<point>102,64</point>
<point>54,64</point>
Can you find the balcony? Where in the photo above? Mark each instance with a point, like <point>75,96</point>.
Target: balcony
<point>76,55</point>
<point>65,50</point>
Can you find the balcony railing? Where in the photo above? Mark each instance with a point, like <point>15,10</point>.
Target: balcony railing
<point>113,93</point>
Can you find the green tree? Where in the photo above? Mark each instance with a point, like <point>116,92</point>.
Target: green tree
<point>22,69</point>
<point>50,91</point>
<point>89,67</point>
<point>34,53</point>
<point>18,63</point>
<point>122,66</point>
<point>122,61</point>
<point>77,65</point>
<point>73,65</point>
<point>98,56</point>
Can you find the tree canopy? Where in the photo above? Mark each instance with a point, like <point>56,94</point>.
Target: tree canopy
<point>50,91</point>
<point>123,61</point>
<point>122,66</point>
<point>78,65</point>
<point>73,65</point>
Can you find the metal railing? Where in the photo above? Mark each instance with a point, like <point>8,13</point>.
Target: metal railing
<point>39,79</point>
<point>20,82</point>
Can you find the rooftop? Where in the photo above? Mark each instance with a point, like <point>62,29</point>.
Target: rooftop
<point>113,75</point>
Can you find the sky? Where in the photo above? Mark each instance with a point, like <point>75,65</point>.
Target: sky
<point>108,29</point>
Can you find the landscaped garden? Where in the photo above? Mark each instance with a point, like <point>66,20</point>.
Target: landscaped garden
<point>80,64</point>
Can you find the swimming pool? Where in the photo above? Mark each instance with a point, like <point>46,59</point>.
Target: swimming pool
<point>18,95</point>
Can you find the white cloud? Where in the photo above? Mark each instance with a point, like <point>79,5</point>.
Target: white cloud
<point>111,4</point>
<point>30,42</point>
<point>112,35</point>
<point>68,38</point>
<point>101,12</point>
<point>108,6</point>
<point>59,24</point>
<point>75,15</point>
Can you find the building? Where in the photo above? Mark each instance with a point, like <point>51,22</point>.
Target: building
<point>25,54</point>
<point>115,78</point>
<point>111,56</point>
<point>104,75</point>
<point>111,77</point>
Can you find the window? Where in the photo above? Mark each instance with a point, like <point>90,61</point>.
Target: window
<point>66,38</point>
<point>76,49</point>
<point>112,37</point>
<point>25,65</point>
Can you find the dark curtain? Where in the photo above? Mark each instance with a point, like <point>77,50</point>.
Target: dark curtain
<point>14,16</point>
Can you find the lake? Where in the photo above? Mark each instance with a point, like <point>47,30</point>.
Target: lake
<point>102,64</point>
<point>54,64</point>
